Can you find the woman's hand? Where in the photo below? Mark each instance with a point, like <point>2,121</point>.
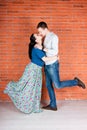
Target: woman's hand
<point>50,58</point>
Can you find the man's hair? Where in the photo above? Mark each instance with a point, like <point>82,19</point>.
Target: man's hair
<point>42,25</point>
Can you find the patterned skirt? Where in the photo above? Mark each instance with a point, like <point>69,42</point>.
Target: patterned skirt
<point>26,92</point>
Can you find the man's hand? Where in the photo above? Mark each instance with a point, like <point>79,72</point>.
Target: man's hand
<point>38,46</point>
<point>45,49</point>
<point>58,57</point>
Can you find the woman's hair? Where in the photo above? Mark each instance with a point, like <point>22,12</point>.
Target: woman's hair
<point>31,45</point>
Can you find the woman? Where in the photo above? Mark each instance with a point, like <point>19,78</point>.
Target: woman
<point>26,93</point>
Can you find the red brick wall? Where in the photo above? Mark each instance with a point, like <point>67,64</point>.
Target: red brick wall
<point>67,18</point>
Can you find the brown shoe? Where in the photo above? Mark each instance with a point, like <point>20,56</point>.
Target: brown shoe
<point>80,83</point>
<point>50,108</point>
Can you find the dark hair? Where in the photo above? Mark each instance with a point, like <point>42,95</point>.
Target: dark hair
<point>31,45</point>
<point>42,25</point>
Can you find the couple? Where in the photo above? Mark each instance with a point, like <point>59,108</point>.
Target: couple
<point>26,93</point>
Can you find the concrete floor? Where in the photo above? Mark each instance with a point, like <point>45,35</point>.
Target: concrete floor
<point>71,115</point>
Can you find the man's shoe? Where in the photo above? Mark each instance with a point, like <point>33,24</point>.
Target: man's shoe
<point>50,108</point>
<point>80,83</point>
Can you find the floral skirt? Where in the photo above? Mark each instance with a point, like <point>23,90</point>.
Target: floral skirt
<point>26,93</point>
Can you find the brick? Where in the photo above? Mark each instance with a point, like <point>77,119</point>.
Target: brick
<point>67,18</point>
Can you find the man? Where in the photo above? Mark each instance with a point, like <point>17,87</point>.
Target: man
<point>50,45</point>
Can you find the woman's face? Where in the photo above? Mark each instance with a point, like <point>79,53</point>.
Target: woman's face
<point>38,38</point>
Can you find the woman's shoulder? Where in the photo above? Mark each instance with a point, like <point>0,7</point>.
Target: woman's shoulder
<point>37,50</point>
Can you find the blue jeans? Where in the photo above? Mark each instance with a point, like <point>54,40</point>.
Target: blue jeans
<point>52,77</point>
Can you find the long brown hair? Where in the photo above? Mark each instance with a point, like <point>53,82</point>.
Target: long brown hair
<point>31,45</point>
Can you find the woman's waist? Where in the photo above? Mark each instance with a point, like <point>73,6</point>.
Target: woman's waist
<point>36,65</point>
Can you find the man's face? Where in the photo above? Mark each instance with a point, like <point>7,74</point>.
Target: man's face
<point>42,32</point>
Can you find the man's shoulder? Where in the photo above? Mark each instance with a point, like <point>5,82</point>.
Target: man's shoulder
<point>51,37</point>
<point>52,34</point>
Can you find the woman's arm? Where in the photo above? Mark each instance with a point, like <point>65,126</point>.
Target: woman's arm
<point>45,58</point>
<point>49,58</point>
